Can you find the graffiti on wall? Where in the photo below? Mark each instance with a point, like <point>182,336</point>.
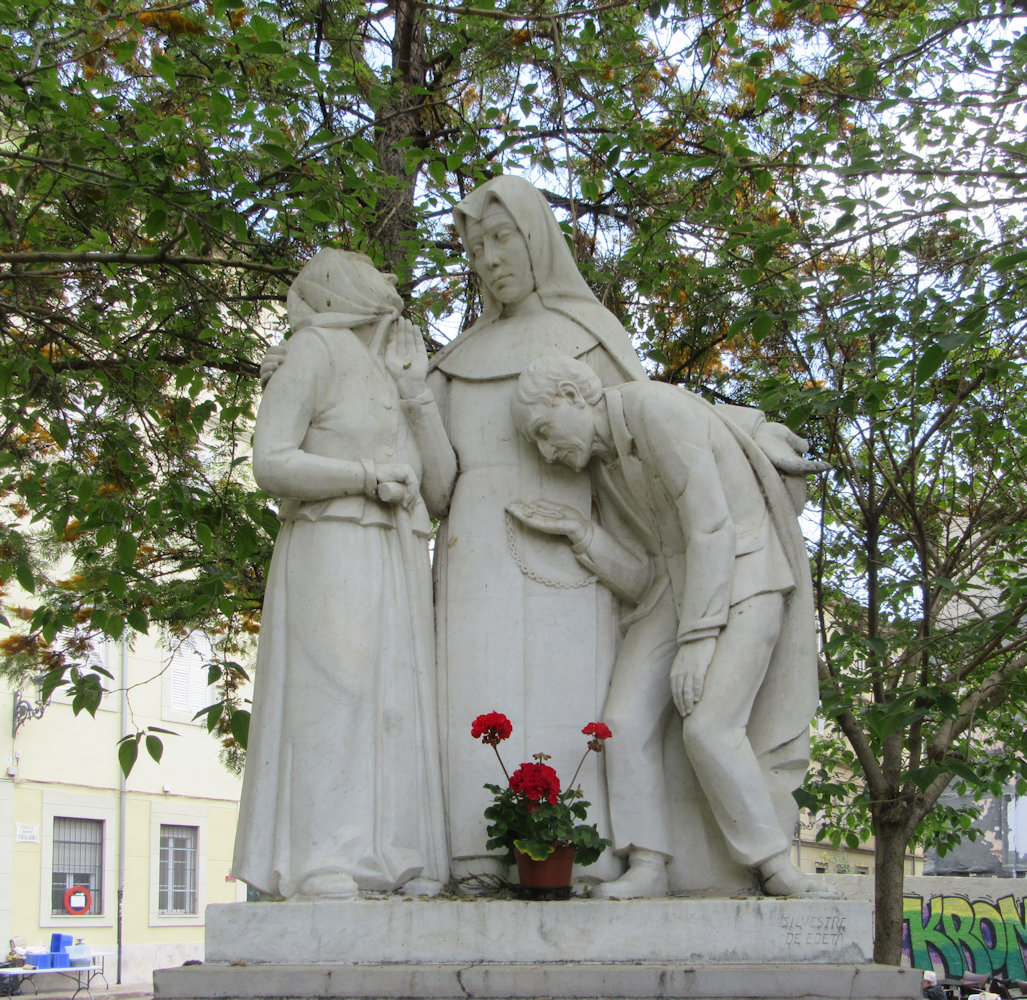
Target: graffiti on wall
<point>964,935</point>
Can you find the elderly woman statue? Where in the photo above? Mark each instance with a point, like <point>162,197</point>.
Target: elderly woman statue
<point>342,789</point>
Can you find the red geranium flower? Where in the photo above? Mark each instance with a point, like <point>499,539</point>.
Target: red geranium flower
<point>492,727</point>
<point>531,815</point>
<point>536,782</point>
<point>599,731</point>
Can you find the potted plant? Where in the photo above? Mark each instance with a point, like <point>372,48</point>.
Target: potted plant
<point>540,825</point>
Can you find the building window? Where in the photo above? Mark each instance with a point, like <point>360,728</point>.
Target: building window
<point>820,868</point>
<point>862,870</point>
<point>177,878</point>
<point>186,691</point>
<point>77,861</point>
<point>178,864</point>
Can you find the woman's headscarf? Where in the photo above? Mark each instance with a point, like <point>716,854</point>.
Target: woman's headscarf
<point>341,289</point>
<point>558,282</point>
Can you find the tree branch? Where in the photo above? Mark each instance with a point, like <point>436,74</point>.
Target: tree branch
<point>89,257</point>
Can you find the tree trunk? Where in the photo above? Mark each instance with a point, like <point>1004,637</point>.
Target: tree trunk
<point>889,863</point>
<point>400,120</point>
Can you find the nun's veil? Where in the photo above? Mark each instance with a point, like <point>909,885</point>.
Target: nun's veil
<point>558,282</point>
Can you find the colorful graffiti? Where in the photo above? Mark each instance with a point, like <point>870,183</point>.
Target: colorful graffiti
<point>963,935</point>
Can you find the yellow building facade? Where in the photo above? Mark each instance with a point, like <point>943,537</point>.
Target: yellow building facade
<point>820,857</point>
<point>150,851</point>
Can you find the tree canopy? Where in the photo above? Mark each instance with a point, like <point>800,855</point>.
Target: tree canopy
<point>814,207</point>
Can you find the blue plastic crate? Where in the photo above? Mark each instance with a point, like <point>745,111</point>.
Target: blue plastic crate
<point>59,960</point>
<point>60,942</point>
<point>41,960</point>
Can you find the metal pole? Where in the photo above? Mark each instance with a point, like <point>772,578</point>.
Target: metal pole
<point>121,809</point>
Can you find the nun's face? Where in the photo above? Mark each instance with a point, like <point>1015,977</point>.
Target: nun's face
<point>499,255</point>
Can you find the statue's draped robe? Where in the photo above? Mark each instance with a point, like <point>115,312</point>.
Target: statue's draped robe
<point>520,627</point>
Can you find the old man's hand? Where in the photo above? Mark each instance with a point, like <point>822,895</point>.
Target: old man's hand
<point>551,518</point>
<point>688,674</point>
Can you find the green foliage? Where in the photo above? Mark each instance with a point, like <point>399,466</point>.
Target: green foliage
<point>128,746</point>
<point>536,828</point>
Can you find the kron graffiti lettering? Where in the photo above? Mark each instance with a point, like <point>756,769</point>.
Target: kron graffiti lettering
<point>965,935</point>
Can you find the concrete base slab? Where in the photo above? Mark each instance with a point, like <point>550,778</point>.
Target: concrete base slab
<point>559,981</point>
<point>446,949</point>
<point>747,930</point>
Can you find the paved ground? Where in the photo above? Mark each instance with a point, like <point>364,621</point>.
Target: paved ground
<point>126,991</point>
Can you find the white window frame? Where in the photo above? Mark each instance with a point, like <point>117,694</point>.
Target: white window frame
<point>56,803</point>
<point>178,814</point>
<point>195,647</point>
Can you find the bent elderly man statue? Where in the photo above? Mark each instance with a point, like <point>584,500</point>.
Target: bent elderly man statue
<point>692,537</point>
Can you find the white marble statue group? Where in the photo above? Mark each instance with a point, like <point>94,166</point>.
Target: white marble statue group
<point>610,548</point>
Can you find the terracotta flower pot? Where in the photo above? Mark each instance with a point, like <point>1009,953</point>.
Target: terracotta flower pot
<point>547,879</point>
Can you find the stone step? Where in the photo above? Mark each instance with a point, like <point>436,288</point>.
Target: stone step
<point>524,981</point>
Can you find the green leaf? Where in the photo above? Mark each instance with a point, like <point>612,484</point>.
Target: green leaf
<point>930,361</point>
<point>52,680</point>
<point>165,69</point>
<point>240,726</point>
<point>126,550</point>
<point>922,777</point>
<point>364,149</point>
<point>128,752</point>
<point>865,79</point>
<point>846,221</point>
<point>86,694</point>
<point>204,536</point>
<point>60,432</point>
<point>1008,261</point>
<point>154,747</point>
<point>878,645</point>
<point>961,770</point>
<point>25,577</point>
<point>262,28</point>
<point>535,849</point>
<point>213,714</point>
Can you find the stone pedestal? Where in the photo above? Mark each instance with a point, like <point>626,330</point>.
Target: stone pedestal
<point>497,950</point>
